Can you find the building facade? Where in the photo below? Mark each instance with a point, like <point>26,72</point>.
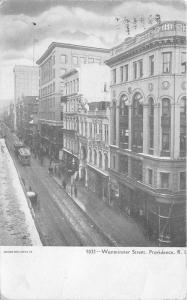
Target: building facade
<point>148,130</point>
<point>26,83</point>
<point>58,59</point>
<point>86,124</point>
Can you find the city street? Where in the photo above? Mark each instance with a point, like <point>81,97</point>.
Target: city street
<point>58,219</point>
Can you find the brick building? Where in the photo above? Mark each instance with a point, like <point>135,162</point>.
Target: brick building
<point>58,59</point>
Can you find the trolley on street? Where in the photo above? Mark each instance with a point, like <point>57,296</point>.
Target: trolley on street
<point>24,156</point>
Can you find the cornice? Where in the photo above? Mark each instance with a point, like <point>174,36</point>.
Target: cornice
<point>146,46</point>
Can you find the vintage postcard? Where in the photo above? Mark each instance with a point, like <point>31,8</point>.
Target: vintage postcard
<point>93,149</point>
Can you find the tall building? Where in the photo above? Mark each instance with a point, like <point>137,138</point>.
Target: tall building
<point>26,83</point>
<point>56,61</point>
<point>148,130</point>
<point>85,118</point>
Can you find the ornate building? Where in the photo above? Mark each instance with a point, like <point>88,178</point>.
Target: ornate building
<point>85,116</point>
<point>148,130</point>
<point>58,59</point>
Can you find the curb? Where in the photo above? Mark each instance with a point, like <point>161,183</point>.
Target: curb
<point>111,241</point>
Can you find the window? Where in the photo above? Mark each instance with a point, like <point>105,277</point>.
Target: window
<point>75,60</point>
<point>62,71</point>
<point>166,107</point>
<point>106,133</point>
<point>126,73</point>
<point>82,60</point>
<point>106,162</point>
<point>95,157</point>
<point>53,59</point>
<point>114,161</point>
<point>61,116</point>
<point>100,159</point>
<point>114,122</point>
<point>182,180</point>
<point>90,155</point>
<point>114,75</point>
<point>151,123</point>
<point>121,74</point>
<point>164,180</point>
<point>123,164</point>
<point>53,73</point>
<point>183,62</point>
<point>137,123</point>
<point>90,129</point>
<point>150,176</point>
<point>97,60</point>
<point>166,62</point>
<point>53,87</point>
<point>90,60</point>
<point>138,69</point>
<point>165,141</point>
<point>77,84</point>
<point>183,127</point>
<point>137,169</point>
<point>95,129</point>
<point>151,65</point>
<point>63,59</point>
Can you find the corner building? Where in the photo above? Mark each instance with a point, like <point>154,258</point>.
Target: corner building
<point>58,59</point>
<point>148,130</point>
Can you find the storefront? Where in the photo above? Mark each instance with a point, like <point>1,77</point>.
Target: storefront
<point>98,182</point>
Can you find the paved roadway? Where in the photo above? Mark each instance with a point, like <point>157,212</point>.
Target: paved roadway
<point>59,220</point>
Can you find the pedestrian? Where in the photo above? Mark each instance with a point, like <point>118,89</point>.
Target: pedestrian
<point>75,190</point>
<point>64,184</point>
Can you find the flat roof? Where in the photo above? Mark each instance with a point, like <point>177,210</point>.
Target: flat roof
<point>69,46</point>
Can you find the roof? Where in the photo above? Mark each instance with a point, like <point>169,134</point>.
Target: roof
<point>70,46</point>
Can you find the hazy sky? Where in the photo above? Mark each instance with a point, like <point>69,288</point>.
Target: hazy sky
<point>79,22</point>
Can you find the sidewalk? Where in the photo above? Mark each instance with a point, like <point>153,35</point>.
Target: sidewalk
<point>121,229</point>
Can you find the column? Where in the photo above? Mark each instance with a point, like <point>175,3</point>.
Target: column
<point>176,128</point>
<point>145,128</point>
<point>130,127</point>
<point>157,130</point>
<point>117,125</point>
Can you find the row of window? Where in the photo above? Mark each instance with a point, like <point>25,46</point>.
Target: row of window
<point>138,67</point>
<point>98,159</point>
<point>137,172</point>
<point>96,131</point>
<point>137,124</point>
<point>47,90</point>
<point>72,86</point>
<point>70,144</point>
<point>76,60</point>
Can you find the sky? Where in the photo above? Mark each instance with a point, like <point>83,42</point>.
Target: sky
<point>87,22</point>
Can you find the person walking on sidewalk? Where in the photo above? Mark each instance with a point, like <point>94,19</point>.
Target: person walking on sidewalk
<point>64,184</point>
<point>75,190</point>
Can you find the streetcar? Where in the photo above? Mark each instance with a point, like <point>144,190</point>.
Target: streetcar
<point>24,156</point>
<point>18,145</point>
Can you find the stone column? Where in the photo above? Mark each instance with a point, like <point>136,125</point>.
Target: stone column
<point>117,125</point>
<point>176,127</point>
<point>157,130</point>
<point>130,127</point>
<point>145,128</point>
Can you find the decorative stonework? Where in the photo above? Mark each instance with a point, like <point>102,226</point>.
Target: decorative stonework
<point>183,85</point>
<point>165,85</point>
<point>150,87</point>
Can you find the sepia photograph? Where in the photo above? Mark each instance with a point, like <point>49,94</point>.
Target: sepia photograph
<point>93,125</point>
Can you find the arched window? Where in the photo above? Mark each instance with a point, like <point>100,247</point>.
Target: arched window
<point>90,155</point>
<point>114,122</point>
<point>100,159</point>
<point>183,126</point>
<point>166,126</point>
<point>151,125</point>
<point>123,122</point>
<point>137,123</point>
<point>123,106</point>
<point>95,157</point>
<point>106,162</point>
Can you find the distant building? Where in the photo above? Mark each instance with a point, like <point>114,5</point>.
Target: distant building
<point>148,130</point>
<point>85,118</point>
<point>26,83</point>
<point>58,59</point>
